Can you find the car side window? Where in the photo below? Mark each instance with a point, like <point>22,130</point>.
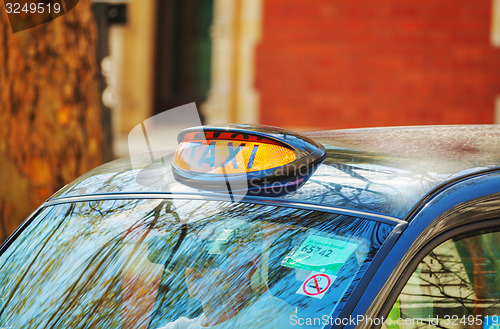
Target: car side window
<point>457,285</point>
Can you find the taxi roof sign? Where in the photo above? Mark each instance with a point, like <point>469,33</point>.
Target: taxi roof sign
<point>271,161</point>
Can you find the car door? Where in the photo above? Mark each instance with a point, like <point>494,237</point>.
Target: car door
<point>456,285</point>
<point>452,279</point>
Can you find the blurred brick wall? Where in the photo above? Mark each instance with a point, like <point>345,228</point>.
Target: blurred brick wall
<point>339,64</point>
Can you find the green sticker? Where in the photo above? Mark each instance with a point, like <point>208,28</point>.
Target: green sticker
<point>321,254</point>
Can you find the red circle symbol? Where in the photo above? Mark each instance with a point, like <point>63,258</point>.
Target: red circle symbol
<point>315,288</point>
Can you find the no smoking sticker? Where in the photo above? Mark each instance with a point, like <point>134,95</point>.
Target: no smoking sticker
<point>316,285</point>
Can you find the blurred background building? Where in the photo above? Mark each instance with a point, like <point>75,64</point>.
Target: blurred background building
<point>308,65</point>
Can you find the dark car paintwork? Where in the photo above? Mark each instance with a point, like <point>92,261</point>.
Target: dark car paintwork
<point>386,171</point>
<point>427,180</point>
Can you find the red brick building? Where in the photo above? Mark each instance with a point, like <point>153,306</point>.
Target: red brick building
<point>342,63</point>
<point>304,65</point>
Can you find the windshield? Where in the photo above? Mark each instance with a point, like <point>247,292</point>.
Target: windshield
<point>150,264</point>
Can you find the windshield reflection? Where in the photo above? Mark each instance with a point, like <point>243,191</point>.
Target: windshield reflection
<point>146,264</point>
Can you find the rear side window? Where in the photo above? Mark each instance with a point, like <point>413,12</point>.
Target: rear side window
<point>153,264</point>
<point>457,285</point>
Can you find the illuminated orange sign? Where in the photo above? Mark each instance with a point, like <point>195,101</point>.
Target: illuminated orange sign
<point>245,160</point>
<point>231,156</point>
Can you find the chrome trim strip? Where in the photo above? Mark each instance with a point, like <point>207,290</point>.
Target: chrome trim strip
<point>284,203</point>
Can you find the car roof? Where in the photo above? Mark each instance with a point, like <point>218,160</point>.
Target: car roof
<point>379,170</point>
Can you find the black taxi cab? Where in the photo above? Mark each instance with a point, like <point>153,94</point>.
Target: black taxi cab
<point>259,227</point>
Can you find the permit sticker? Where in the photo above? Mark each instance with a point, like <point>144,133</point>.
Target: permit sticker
<point>321,254</point>
<point>316,285</point>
